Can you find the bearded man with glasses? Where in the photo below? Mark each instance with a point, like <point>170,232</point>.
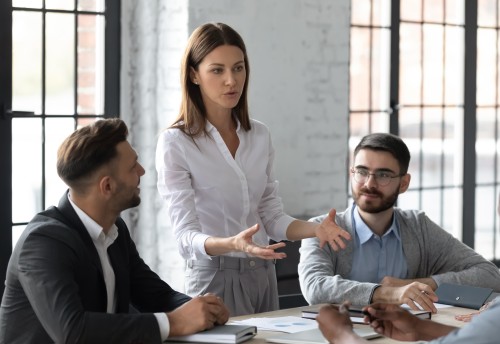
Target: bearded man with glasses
<point>395,256</point>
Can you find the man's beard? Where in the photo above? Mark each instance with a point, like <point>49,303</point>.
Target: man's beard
<point>134,201</point>
<point>385,203</point>
<point>129,201</point>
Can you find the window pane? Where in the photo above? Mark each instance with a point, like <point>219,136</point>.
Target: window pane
<point>497,147</point>
<point>454,66</point>
<point>486,12</point>
<point>410,131</point>
<point>432,147</point>
<point>362,124</point>
<point>486,60</point>
<point>60,4</point>
<point>410,64</point>
<point>485,145</point>
<point>27,3</point>
<point>409,122</point>
<point>452,220</point>
<point>380,69</point>
<point>27,61</point>
<point>411,198</point>
<point>433,10</point>
<point>380,122</point>
<point>433,64</point>
<point>411,10</point>
<point>360,12</point>
<point>453,146</point>
<point>91,5</point>
<point>81,122</point>
<point>381,12</point>
<point>360,69</point>
<point>497,73</point>
<point>16,233</point>
<point>485,220</point>
<point>56,130</point>
<point>432,202</point>
<point>60,64</point>
<point>90,64</point>
<point>359,126</point>
<point>455,10</point>
<point>26,168</point>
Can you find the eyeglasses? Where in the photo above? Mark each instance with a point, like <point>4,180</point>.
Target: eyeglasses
<point>382,178</point>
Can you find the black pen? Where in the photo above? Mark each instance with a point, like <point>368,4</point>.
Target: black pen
<point>355,311</point>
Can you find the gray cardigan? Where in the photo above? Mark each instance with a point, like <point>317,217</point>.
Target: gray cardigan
<point>430,251</point>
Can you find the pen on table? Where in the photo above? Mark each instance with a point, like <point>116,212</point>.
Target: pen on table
<point>354,311</point>
<point>361,311</point>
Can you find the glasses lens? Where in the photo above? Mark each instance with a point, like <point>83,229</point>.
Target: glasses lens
<point>360,176</point>
<point>382,179</point>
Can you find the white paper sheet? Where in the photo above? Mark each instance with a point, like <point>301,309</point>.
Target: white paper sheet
<point>288,324</point>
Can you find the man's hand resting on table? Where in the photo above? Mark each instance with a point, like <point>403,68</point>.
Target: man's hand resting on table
<point>200,313</point>
<point>417,295</point>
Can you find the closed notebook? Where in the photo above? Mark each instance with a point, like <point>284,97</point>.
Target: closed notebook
<point>219,334</point>
<point>316,337</point>
<point>462,295</point>
<point>356,313</point>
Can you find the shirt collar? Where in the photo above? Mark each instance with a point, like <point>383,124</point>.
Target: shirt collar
<point>96,232</point>
<point>209,126</point>
<point>365,233</point>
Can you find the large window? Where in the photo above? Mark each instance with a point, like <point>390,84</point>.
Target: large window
<point>414,69</point>
<point>61,72</point>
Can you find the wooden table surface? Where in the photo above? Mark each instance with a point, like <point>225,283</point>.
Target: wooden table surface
<point>444,315</point>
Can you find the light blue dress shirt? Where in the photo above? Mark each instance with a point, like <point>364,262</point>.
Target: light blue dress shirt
<point>376,257</point>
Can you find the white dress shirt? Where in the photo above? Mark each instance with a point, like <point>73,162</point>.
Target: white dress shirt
<point>102,242</point>
<point>210,193</point>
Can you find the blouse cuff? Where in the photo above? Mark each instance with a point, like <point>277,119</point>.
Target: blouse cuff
<point>199,251</point>
<point>279,231</point>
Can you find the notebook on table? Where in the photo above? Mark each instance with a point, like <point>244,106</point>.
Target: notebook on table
<point>316,337</point>
<point>231,334</point>
<point>356,314</point>
<point>462,295</point>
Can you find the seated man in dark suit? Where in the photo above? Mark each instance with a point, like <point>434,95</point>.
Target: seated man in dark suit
<point>75,270</point>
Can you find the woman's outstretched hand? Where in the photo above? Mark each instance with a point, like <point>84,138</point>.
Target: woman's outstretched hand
<point>329,232</point>
<point>244,242</point>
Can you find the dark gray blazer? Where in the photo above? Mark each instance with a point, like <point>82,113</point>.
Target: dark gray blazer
<point>55,290</point>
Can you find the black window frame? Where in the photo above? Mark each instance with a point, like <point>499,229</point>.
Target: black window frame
<point>112,36</point>
<point>470,183</point>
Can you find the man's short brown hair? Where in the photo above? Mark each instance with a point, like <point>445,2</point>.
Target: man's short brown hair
<point>89,148</point>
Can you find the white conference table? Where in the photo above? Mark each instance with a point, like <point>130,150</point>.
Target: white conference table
<point>444,315</point>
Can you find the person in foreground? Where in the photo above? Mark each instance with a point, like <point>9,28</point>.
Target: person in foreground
<point>395,256</point>
<point>397,323</point>
<point>215,171</point>
<point>75,270</point>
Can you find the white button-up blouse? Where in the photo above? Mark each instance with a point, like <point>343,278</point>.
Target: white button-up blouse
<point>211,194</point>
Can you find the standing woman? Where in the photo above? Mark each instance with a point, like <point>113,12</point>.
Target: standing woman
<point>215,170</point>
